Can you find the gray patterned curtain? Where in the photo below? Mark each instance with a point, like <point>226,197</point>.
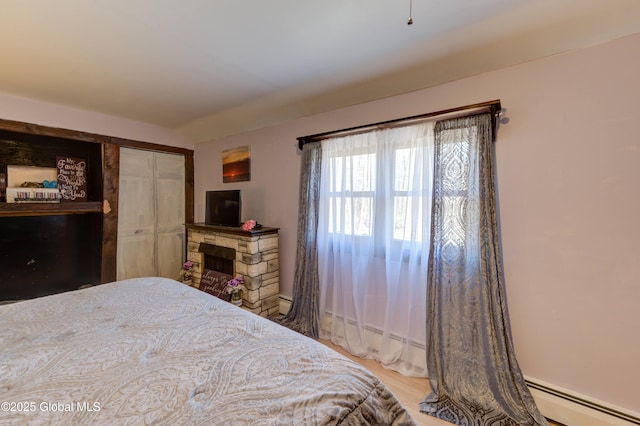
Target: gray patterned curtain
<point>472,367</point>
<point>304,312</point>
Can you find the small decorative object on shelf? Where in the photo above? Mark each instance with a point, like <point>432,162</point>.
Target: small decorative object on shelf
<point>185,273</point>
<point>30,184</point>
<point>250,224</point>
<point>72,178</point>
<point>234,288</point>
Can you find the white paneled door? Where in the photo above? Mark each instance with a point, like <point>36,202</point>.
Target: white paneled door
<point>151,233</point>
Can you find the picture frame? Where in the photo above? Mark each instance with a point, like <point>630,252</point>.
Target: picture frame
<point>236,165</point>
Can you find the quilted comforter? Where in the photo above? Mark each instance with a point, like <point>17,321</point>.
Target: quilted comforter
<point>155,351</point>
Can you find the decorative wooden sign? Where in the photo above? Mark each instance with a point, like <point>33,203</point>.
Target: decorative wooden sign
<point>215,283</point>
<point>72,178</point>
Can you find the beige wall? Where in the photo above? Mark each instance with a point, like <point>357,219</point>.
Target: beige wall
<point>47,114</point>
<point>568,176</point>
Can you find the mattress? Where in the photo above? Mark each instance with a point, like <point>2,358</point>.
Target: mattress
<point>155,351</point>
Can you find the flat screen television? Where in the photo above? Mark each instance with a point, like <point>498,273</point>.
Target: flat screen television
<point>224,208</point>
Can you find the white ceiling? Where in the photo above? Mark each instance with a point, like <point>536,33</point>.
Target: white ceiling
<point>209,68</point>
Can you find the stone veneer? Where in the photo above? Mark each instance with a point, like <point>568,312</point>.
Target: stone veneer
<point>257,260</point>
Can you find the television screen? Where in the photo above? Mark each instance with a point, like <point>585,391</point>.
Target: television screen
<point>223,208</point>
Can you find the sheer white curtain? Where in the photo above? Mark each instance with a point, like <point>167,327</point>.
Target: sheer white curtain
<point>373,244</point>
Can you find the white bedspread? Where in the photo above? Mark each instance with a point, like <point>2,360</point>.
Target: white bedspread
<point>154,351</point>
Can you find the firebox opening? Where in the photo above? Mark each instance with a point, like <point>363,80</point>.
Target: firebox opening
<point>217,258</point>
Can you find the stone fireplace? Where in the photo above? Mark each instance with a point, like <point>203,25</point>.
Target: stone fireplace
<point>253,254</point>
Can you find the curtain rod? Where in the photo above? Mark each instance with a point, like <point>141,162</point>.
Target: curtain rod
<point>493,107</point>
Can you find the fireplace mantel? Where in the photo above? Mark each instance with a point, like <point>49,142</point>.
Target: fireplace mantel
<point>257,260</point>
<point>232,230</point>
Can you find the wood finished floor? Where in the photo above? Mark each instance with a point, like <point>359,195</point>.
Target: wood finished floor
<point>409,390</point>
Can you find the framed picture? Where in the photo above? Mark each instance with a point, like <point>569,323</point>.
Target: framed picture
<point>236,165</point>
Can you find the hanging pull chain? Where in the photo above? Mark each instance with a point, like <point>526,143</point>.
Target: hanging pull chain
<point>410,20</point>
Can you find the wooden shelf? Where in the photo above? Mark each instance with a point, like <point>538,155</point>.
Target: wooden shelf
<point>40,209</point>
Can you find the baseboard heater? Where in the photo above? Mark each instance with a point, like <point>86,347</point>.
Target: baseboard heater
<point>570,409</point>
<point>561,406</point>
<point>285,304</point>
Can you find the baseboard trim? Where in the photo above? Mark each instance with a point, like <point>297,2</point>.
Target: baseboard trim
<point>572,409</point>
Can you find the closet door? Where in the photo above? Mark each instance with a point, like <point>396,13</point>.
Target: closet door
<point>136,215</point>
<point>170,230</point>
<point>151,214</point>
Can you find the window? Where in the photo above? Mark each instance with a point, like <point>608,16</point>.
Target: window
<point>351,194</point>
<point>376,213</point>
<point>362,201</point>
<point>408,201</point>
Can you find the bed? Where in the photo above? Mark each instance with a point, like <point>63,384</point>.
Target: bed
<point>155,351</point>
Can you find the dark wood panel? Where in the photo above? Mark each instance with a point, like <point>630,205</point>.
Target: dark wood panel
<point>110,219</point>
<point>189,189</point>
<point>48,254</point>
<point>150,146</point>
<point>27,209</point>
<point>36,129</point>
